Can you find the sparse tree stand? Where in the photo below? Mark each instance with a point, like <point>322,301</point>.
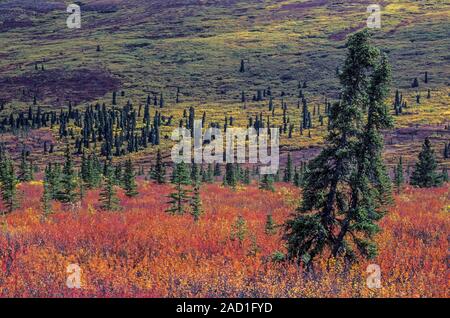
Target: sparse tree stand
<point>346,187</point>
<point>179,198</point>
<point>129,180</point>
<point>424,174</point>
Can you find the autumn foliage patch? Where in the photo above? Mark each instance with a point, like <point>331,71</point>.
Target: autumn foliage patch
<point>142,251</point>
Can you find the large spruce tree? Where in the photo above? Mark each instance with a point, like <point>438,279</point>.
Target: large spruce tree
<point>346,186</point>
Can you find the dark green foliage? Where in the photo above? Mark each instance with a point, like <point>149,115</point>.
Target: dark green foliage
<point>230,178</point>
<point>246,180</point>
<point>114,97</point>
<point>424,174</point>
<point>53,178</point>
<point>196,203</point>
<point>239,230</point>
<point>266,183</point>
<point>159,170</point>
<point>195,173</point>
<point>444,175</point>
<point>346,187</point>
<point>399,179</point>
<point>67,192</point>
<point>242,68</point>
<point>179,198</point>
<point>8,183</point>
<point>129,180</point>
<point>46,199</point>
<point>181,174</point>
<point>90,171</point>
<point>210,174</point>
<point>108,195</point>
<point>288,171</point>
<point>118,175</point>
<point>217,171</point>
<point>25,169</point>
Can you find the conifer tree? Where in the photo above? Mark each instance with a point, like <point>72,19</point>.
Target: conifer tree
<point>108,196</point>
<point>53,176</point>
<point>246,180</point>
<point>210,174</point>
<point>266,183</point>
<point>114,98</point>
<point>161,101</point>
<point>346,187</point>
<point>179,198</point>
<point>288,172</point>
<point>230,176</point>
<point>46,199</point>
<point>217,171</point>
<point>94,172</point>
<point>195,173</point>
<point>8,184</point>
<point>203,175</point>
<point>242,68</point>
<point>297,178</point>
<point>118,176</point>
<point>84,168</point>
<point>424,174</point>
<point>159,170</point>
<point>399,179</point>
<point>239,230</point>
<point>129,180</point>
<point>196,203</point>
<point>25,169</point>
<point>444,175</point>
<point>67,192</point>
<point>82,187</point>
